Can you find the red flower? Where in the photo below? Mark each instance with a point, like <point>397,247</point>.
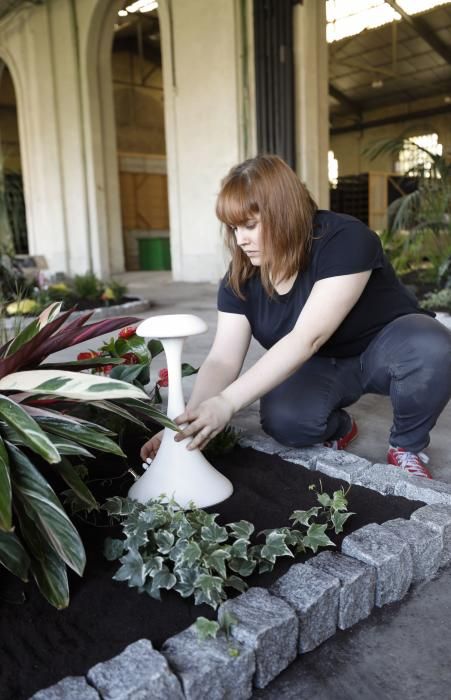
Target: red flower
<point>127,332</point>
<point>87,355</point>
<point>130,358</point>
<point>107,368</point>
<point>163,377</point>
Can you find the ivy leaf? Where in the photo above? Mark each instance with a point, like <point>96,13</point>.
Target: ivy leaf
<point>206,628</point>
<point>324,499</point>
<point>177,552</point>
<point>302,517</point>
<point>212,597</point>
<point>237,583</point>
<point>339,519</point>
<point>238,550</point>
<point>132,569</point>
<point>227,620</point>
<point>244,567</point>
<point>191,554</point>
<point>187,578</point>
<point>162,579</point>
<point>152,565</point>
<point>164,541</point>
<point>339,501</point>
<point>242,529</point>
<point>119,506</point>
<point>275,547</point>
<point>214,533</point>
<point>113,548</point>
<point>316,537</point>
<point>216,560</point>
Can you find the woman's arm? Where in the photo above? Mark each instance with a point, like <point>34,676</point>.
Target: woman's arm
<point>225,359</point>
<point>329,303</point>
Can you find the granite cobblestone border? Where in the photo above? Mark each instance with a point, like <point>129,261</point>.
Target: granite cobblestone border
<point>377,565</point>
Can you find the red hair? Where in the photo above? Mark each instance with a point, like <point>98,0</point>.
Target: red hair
<point>267,186</point>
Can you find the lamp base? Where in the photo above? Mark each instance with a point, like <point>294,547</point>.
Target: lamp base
<point>183,475</point>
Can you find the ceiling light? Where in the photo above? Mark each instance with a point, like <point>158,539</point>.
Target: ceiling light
<point>377,83</point>
<point>122,13</point>
<point>447,99</point>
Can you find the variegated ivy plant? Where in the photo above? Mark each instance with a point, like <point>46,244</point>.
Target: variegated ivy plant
<point>166,547</point>
<point>36,534</point>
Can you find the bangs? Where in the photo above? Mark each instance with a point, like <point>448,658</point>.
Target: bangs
<point>235,203</point>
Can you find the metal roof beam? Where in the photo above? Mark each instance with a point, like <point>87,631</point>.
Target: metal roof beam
<point>424,31</point>
<point>353,107</point>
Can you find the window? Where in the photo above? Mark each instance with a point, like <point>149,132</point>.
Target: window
<point>332,164</point>
<point>413,160</point>
<point>350,17</point>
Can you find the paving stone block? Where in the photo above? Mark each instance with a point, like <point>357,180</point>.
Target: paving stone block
<point>306,456</point>
<point>342,465</point>
<point>314,596</point>
<point>430,491</point>
<point>70,688</point>
<point>357,585</point>
<point>268,626</point>
<point>207,669</point>
<point>138,673</point>
<point>390,556</point>
<point>383,478</point>
<point>438,518</point>
<point>425,546</point>
<point>262,443</point>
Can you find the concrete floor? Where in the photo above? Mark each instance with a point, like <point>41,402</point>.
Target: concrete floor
<point>403,651</point>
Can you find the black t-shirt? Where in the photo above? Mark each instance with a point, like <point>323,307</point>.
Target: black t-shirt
<point>342,245</point>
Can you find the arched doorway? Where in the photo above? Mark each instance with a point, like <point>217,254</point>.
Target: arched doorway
<point>140,134</point>
<point>13,225</point>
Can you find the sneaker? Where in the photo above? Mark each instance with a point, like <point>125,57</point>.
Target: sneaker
<point>345,440</point>
<point>411,462</point>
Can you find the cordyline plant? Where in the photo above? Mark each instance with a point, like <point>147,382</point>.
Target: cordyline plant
<point>166,547</point>
<point>36,534</point>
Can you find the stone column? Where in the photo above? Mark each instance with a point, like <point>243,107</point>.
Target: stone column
<point>311,95</point>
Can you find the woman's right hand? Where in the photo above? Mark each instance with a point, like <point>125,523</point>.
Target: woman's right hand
<point>151,447</point>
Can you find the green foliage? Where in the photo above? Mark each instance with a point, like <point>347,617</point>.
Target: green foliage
<point>223,442</point>
<point>420,221</point>
<point>165,547</point>
<point>87,286</point>
<point>210,628</point>
<point>37,536</point>
<point>438,301</point>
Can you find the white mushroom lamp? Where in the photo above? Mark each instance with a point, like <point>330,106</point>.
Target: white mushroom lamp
<point>177,472</point>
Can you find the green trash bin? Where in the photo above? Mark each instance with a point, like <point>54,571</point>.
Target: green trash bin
<point>154,254</point>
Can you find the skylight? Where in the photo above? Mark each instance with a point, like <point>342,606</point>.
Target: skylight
<point>350,17</point>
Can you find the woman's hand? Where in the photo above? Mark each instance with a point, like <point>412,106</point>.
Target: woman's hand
<point>204,422</point>
<point>151,447</point>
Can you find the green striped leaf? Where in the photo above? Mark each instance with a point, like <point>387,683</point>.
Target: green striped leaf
<point>48,570</point>
<point>149,410</point>
<point>72,479</point>
<point>119,411</point>
<point>73,385</point>
<point>13,556</point>
<point>45,510</point>
<point>81,434</point>
<point>66,418</point>
<point>5,490</point>
<point>29,431</point>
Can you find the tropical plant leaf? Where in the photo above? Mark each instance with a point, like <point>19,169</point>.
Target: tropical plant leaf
<point>155,347</point>
<point>30,432</point>
<point>42,506</point>
<point>36,412</point>
<point>33,328</point>
<point>13,556</point>
<point>150,411</point>
<point>119,411</point>
<point>50,575</point>
<point>76,483</point>
<point>82,434</point>
<point>5,490</point>
<point>82,364</point>
<point>74,385</point>
<point>187,369</point>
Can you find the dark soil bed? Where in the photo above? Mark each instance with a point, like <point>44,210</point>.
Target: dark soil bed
<point>40,645</point>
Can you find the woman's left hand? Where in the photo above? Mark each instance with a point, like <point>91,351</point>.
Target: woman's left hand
<point>204,422</point>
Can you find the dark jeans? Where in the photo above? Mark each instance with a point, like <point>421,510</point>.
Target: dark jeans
<point>409,360</point>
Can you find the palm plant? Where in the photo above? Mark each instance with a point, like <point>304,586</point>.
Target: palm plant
<point>36,534</point>
<point>424,213</point>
